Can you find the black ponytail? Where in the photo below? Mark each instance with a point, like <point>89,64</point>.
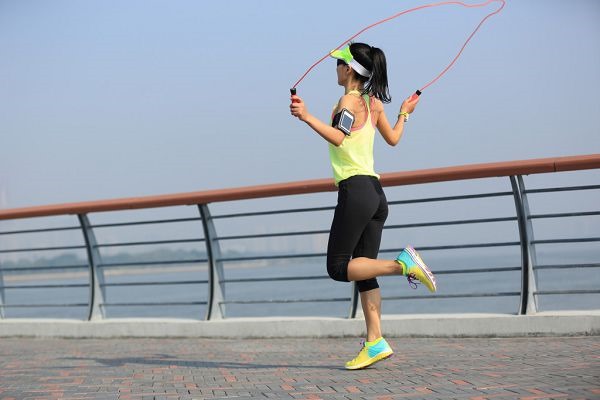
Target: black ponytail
<point>372,59</point>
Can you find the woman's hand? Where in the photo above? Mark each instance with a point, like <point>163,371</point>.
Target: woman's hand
<point>327,132</point>
<point>298,109</point>
<point>409,105</point>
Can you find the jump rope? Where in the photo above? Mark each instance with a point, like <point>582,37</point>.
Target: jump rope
<point>419,91</point>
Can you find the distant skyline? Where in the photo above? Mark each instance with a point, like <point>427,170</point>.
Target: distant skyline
<point>109,99</point>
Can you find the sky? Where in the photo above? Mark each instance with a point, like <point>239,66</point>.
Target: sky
<point>109,99</point>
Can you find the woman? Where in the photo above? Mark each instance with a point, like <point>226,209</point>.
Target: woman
<point>362,208</point>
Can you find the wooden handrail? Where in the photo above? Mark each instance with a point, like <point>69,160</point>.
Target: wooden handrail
<point>472,171</point>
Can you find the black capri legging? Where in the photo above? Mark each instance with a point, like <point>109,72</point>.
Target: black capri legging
<point>357,224</point>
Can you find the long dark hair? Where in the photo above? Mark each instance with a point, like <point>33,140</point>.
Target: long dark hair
<point>372,59</point>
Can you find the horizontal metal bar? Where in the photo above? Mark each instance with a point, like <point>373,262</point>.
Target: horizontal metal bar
<point>416,225</point>
<point>141,263</point>
<point>456,222</point>
<point>567,266</point>
<point>315,277</point>
<point>285,278</point>
<point>564,215</point>
<point>43,249</point>
<point>44,305</point>
<point>272,257</point>
<point>469,246</point>
<point>274,212</point>
<point>152,222</point>
<point>153,283</point>
<point>69,228</point>
<point>149,243</point>
<point>284,301</point>
<point>44,268</point>
<point>562,189</point>
<point>581,291</point>
<point>279,234</point>
<point>175,303</point>
<point>452,296</point>
<point>477,270</point>
<point>571,240</point>
<point>420,248</point>
<point>456,247</point>
<point>57,286</point>
<point>449,198</point>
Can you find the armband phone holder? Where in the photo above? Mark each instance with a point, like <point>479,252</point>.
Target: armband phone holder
<point>343,121</point>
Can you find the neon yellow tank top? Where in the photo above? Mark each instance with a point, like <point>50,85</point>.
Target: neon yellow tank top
<point>355,155</point>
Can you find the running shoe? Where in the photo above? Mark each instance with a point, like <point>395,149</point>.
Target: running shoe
<point>416,269</point>
<point>370,353</point>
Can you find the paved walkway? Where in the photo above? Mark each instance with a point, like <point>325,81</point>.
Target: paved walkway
<point>525,368</point>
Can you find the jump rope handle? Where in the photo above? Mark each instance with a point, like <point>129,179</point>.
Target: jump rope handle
<point>293,93</point>
<point>414,96</point>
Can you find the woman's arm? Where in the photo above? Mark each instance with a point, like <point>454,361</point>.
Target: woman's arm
<point>327,132</point>
<point>393,135</point>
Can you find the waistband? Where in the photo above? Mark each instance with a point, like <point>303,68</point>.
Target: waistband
<point>357,178</point>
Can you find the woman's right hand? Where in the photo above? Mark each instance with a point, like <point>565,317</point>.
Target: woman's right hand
<point>297,108</point>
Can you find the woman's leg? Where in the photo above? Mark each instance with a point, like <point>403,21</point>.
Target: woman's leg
<point>357,203</point>
<point>363,268</point>
<point>364,264</point>
<point>360,268</point>
<point>354,245</point>
<point>371,305</point>
<point>408,263</point>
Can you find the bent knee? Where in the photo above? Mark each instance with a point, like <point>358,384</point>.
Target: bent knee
<point>338,269</point>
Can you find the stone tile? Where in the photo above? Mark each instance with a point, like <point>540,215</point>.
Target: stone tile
<point>466,368</point>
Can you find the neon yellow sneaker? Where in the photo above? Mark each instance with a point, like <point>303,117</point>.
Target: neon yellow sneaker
<point>371,352</point>
<point>415,268</point>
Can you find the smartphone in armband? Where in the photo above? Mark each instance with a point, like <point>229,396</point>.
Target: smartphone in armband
<point>343,121</point>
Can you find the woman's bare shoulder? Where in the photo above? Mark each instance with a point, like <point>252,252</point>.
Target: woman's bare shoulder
<point>376,104</point>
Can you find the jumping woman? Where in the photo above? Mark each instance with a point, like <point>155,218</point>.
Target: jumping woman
<point>362,208</point>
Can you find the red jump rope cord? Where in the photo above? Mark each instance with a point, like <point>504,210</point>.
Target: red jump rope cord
<point>411,10</point>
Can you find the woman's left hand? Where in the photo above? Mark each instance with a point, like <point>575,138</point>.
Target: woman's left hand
<point>409,104</point>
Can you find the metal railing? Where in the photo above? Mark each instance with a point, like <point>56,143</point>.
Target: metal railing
<point>209,260</point>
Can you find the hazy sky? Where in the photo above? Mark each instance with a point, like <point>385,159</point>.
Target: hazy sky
<point>106,99</point>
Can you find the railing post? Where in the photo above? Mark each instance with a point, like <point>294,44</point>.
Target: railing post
<point>97,291</point>
<point>215,308</point>
<point>532,300</point>
<point>1,293</point>
<point>528,302</point>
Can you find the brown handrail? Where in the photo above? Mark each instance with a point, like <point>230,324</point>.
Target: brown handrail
<point>472,171</point>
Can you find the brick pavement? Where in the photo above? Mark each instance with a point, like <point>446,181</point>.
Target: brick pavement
<point>462,368</point>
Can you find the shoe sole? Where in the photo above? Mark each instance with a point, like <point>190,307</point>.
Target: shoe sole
<point>415,256</point>
<point>371,361</point>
